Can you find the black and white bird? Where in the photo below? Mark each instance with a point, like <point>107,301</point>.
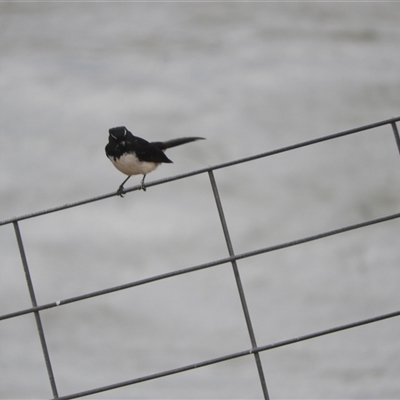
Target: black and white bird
<point>133,155</point>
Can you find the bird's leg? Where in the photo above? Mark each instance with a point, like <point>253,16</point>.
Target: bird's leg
<point>142,184</point>
<point>121,187</point>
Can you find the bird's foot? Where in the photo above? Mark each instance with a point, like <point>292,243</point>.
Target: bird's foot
<point>142,184</point>
<point>120,191</point>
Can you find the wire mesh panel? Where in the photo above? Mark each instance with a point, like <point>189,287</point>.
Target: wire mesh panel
<point>247,340</point>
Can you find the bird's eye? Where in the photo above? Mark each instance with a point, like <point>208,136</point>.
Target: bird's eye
<point>124,132</point>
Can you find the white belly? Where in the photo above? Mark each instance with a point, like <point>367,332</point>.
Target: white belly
<point>129,164</point>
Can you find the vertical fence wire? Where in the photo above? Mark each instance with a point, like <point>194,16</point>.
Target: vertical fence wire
<point>36,313</point>
<point>396,135</point>
<point>239,284</point>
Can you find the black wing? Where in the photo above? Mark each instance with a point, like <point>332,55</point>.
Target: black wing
<point>145,151</point>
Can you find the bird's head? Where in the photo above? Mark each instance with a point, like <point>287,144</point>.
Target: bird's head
<point>119,135</point>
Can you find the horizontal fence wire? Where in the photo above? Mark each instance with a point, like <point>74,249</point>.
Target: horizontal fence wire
<point>200,267</point>
<point>391,121</point>
<point>232,259</point>
<point>232,356</point>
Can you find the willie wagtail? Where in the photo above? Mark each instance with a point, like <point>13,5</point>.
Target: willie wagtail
<point>133,155</point>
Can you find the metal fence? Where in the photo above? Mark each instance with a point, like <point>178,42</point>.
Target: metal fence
<point>233,258</point>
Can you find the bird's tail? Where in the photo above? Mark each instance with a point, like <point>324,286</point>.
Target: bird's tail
<point>175,142</point>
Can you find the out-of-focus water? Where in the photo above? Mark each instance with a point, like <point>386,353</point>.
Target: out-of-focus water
<point>250,77</point>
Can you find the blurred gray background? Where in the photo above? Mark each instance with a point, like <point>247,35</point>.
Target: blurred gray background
<point>250,77</point>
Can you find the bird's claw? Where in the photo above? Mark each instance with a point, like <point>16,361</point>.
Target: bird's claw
<point>120,191</point>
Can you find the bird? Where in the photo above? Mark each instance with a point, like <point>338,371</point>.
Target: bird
<point>133,155</point>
